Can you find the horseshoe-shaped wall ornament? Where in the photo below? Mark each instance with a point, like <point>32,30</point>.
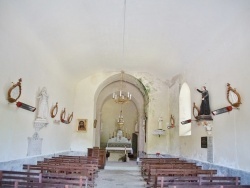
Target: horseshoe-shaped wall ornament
<point>62,116</point>
<point>232,94</point>
<point>54,110</point>
<point>70,118</point>
<point>196,111</point>
<point>13,94</point>
<point>172,122</point>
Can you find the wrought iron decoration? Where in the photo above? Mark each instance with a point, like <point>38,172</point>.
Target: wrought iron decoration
<point>54,110</point>
<point>12,92</point>
<point>237,102</point>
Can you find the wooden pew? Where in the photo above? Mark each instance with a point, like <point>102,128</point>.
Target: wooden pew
<point>69,179</point>
<point>64,169</point>
<point>18,184</point>
<point>38,180</point>
<point>157,158</point>
<point>148,166</point>
<point>7,178</point>
<point>166,181</point>
<point>100,154</point>
<point>74,159</point>
<point>144,164</point>
<point>179,172</point>
<point>152,168</point>
<point>208,186</point>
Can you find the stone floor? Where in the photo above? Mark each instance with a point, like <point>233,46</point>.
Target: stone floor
<point>120,175</point>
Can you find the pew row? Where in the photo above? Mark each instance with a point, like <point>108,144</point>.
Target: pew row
<point>90,172</point>
<point>18,179</point>
<point>166,181</point>
<point>179,172</point>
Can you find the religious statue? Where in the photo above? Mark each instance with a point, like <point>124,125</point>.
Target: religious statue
<point>204,108</point>
<point>136,127</point>
<point>160,120</point>
<point>43,107</point>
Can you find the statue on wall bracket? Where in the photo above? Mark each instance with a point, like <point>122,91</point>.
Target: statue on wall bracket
<point>43,110</point>
<point>35,142</point>
<point>204,112</point>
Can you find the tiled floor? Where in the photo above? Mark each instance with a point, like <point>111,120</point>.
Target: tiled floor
<point>120,175</point>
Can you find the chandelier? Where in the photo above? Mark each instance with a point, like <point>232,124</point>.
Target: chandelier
<point>121,96</point>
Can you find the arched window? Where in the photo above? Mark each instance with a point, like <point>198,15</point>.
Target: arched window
<point>184,110</point>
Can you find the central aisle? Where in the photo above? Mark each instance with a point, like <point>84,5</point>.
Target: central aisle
<point>120,175</point>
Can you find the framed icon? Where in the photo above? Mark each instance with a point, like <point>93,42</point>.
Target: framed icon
<point>82,125</point>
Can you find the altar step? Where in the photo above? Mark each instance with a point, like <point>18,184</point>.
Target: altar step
<point>120,175</point>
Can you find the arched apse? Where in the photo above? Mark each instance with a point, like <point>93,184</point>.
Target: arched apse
<point>135,109</point>
<point>184,110</point>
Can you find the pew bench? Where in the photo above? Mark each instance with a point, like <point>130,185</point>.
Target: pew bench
<point>152,168</point>
<point>144,165</point>
<point>29,179</point>
<point>166,181</point>
<point>179,172</point>
<point>64,169</point>
<point>208,186</point>
<point>8,178</point>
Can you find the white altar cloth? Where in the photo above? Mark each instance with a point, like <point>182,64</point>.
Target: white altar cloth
<point>129,150</point>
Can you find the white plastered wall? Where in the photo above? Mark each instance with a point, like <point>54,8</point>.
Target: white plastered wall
<point>85,109</point>
<point>158,92</point>
<point>226,61</point>
<point>22,55</point>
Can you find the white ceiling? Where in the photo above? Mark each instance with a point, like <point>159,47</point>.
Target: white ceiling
<point>161,36</point>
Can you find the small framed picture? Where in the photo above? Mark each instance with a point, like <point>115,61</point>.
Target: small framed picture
<point>82,125</point>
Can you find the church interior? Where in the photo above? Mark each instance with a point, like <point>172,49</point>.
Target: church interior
<point>148,79</point>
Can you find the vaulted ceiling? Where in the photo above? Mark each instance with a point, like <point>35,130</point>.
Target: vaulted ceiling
<point>157,36</point>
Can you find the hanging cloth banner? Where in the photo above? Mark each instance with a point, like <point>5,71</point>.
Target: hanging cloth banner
<point>25,106</point>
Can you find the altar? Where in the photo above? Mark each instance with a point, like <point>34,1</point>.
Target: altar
<point>118,146</point>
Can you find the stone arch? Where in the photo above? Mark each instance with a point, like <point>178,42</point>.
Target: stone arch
<point>139,98</point>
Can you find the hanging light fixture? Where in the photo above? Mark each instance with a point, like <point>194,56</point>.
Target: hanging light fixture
<point>121,96</point>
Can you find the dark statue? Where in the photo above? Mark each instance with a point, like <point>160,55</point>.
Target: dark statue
<point>204,108</point>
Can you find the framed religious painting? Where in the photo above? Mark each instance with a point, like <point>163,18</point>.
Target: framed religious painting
<point>82,125</point>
